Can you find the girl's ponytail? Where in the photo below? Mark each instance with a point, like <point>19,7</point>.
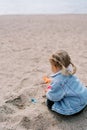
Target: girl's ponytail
<point>74,68</point>
<point>70,70</point>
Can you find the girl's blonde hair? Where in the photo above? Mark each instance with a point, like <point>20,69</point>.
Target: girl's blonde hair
<point>62,59</point>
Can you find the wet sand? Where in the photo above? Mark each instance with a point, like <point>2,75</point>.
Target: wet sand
<point>26,43</point>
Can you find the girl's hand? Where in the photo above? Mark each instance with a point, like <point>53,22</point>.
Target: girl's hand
<point>47,89</point>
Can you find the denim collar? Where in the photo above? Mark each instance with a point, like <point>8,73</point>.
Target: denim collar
<point>54,75</point>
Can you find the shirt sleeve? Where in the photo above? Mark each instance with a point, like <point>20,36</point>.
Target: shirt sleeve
<point>56,93</point>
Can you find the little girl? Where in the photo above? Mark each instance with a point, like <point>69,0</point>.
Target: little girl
<point>66,95</point>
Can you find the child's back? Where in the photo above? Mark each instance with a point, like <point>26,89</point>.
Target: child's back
<point>67,93</point>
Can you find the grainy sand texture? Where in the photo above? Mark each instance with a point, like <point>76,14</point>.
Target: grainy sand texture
<point>26,43</point>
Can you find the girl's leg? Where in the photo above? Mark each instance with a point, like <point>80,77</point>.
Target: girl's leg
<point>49,104</point>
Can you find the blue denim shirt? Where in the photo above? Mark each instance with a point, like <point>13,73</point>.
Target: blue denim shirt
<point>68,93</point>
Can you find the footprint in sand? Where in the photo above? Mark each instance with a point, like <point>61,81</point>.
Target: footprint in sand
<point>4,112</point>
<point>36,123</point>
<point>26,122</point>
<point>18,102</point>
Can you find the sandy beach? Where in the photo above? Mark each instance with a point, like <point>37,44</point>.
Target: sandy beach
<point>26,43</point>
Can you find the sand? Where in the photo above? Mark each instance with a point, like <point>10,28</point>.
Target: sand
<point>26,43</point>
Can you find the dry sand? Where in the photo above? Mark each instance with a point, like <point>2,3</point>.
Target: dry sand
<point>26,42</point>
